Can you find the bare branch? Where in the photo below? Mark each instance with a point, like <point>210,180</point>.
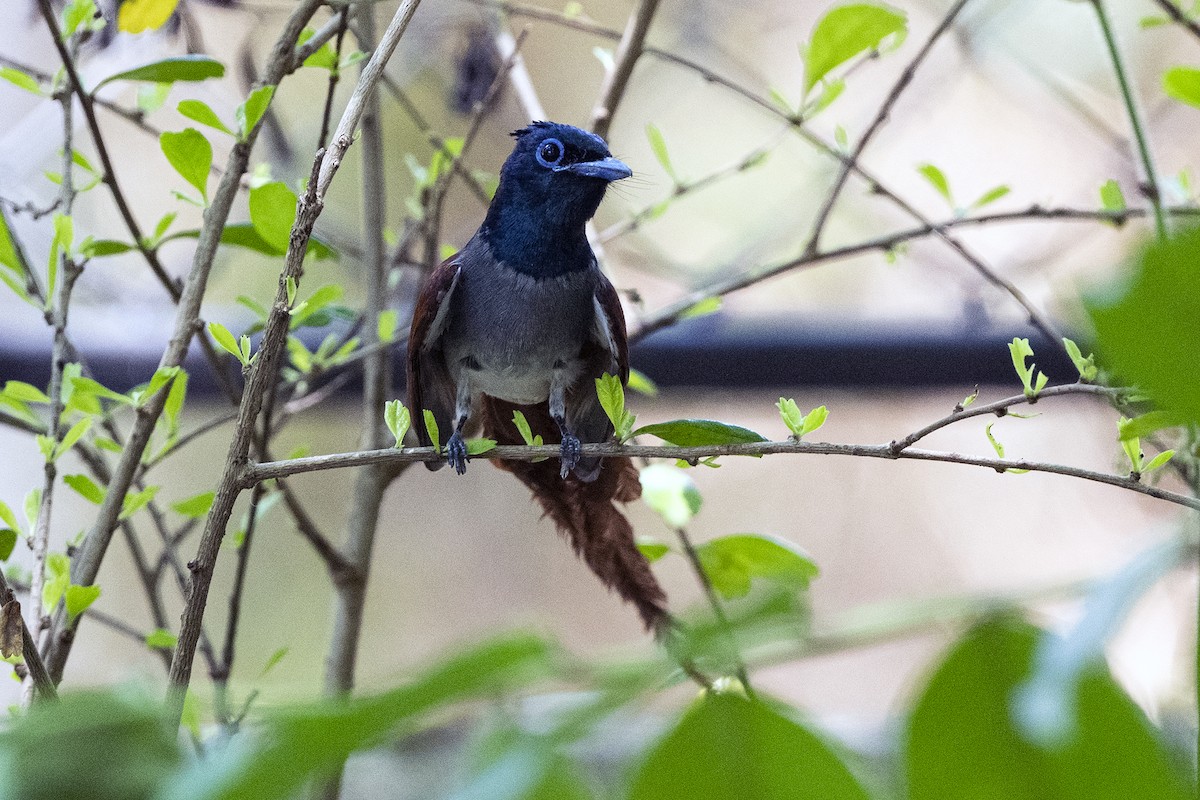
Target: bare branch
<point>264,370</point>
<point>628,52</point>
<point>254,473</point>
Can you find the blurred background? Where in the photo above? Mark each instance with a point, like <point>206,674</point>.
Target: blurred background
<point>1020,94</point>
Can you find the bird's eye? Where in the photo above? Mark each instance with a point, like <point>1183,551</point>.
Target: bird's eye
<point>550,153</point>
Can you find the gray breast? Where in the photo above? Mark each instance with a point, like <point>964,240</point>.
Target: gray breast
<point>511,330</point>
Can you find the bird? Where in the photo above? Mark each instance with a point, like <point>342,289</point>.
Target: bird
<point>522,319</point>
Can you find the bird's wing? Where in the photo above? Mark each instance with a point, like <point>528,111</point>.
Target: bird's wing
<point>430,385</point>
<point>610,327</point>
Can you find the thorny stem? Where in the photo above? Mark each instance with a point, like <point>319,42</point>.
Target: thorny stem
<point>1150,188</point>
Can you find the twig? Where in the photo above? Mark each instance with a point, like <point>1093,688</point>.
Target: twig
<point>43,684</point>
<point>880,117</point>
<point>1150,187</point>
<point>628,52</point>
<point>263,371</point>
<point>87,565</point>
<point>57,313</point>
<point>714,602</point>
<point>1174,12</point>
<point>334,74</point>
<point>1000,407</point>
<point>253,473</point>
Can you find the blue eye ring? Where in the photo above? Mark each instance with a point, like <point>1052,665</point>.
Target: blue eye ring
<point>550,153</point>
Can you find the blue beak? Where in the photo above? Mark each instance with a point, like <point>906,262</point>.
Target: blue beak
<point>606,169</point>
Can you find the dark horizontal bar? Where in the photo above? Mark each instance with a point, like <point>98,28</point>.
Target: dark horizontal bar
<point>720,350</point>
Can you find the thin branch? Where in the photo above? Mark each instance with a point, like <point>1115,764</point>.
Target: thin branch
<point>880,117</point>
<point>43,684</point>
<point>670,314</point>
<point>264,370</point>
<point>718,609</point>
<point>87,565</point>
<point>1173,11</point>
<point>335,73</point>
<point>1000,407</point>
<point>254,473</point>
<point>617,79</point>
<point>1150,187</point>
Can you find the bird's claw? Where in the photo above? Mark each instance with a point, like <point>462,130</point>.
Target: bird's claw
<point>569,451</point>
<point>456,453</point>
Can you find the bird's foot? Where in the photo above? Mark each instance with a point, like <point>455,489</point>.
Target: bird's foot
<point>456,453</point>
<point>570,451</point>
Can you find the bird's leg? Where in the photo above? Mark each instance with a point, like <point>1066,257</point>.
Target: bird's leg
<point>569,450</point>
<point>456,447</point>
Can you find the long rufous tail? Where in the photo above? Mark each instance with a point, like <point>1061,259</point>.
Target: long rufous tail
<point>585,512</point>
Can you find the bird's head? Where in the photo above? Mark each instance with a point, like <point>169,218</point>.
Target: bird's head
<point>550,187</point>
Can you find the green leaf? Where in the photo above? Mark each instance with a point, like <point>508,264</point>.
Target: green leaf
<point>641,383</point>
<point>136,16</point>
<point>305,741</point>
<point>161,639</point>
<point>25,392</point>
<point>1147,325</point>
<point>323,58</point>
<point>200,112</point>
<point>671,493</point>
<point>431,427</point>
<point>33,507</point>
<point>176,397</point>
<point>990,196</point>
<point>224,338</point>
<point>526,432</point>
<point>699,433</point>
<point>8,540</point>
<point>191,155</point>
<point>136,501</point>
<point>20,79</point>
<point>845,32</point>
<point>1158,462</point>
<point>8,517</point>
<point>273,212</point>
<point>80,598</point>
<point>59,568</point>
<point>170,70</point>
<point>727,746</point>
<point>651,548</point>
<point>659,145</point>
<point>99,248</point>
<point>1043,706</point>
<point>385,328</point>
<point>398,420</point>
<point>477,446</point>
<point>612,399</point>
<point>731,562</point>
<point>1086,366</point>
<point>195,506</point>
<point>1032,380</point>
<point>318,300</point>
<point>1111,196</point>
<point>72,436</point>
<point>709,305</point>
<point>963,741</point>
<point>80,15</point>
<point>86,487</point>
<point>83,388</point>
<point>252,110</point>
<point>243,234</point>
<point>273,661</point>
<point>999,448</point>
<point>1183,84</point>
<point>1148,423</point>
<point>93,745</point>
<point>937,179</point>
